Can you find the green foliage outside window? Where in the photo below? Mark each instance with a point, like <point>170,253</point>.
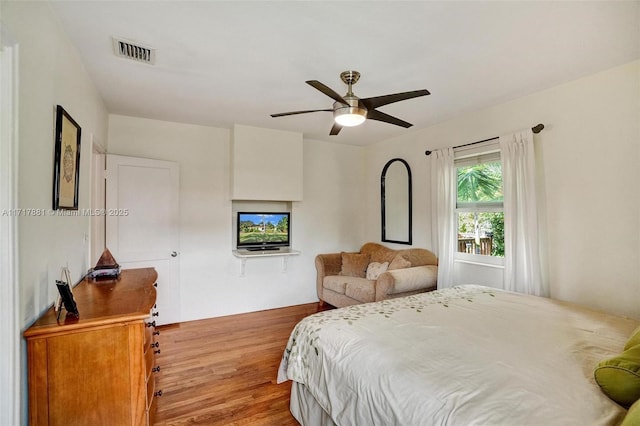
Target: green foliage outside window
<point>497,226</point>
<point>481,182</point>
<point>477,184</point>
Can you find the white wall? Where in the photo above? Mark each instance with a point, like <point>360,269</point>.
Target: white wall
<point>413,153</point>
<point>50,73</point>
<point>210,279</point>
<point>266,164</point>
<point>588,156</point>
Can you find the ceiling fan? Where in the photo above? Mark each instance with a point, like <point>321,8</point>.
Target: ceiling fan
<point>350,110</point>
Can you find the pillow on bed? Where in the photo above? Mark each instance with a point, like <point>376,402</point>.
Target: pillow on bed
<point>633,340</point>
<point>375,269</point>
<point>619,377</point>
<point>633,415</point>
<point>354,264</point>
<point>399,262</point>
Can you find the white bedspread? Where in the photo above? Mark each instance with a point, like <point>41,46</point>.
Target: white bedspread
<point>469,355</point>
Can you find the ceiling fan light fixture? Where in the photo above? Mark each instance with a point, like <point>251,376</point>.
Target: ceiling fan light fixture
<point>350,110</point>
<point>350,116</point>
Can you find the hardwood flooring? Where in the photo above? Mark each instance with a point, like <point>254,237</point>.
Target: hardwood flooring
<point>222,371</point>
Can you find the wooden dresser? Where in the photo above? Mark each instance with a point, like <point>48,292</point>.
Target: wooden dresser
<point>97,369</point>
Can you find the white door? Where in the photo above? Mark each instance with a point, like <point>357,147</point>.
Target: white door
<point>142,223</point>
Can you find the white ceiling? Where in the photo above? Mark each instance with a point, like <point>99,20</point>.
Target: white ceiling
<point>220,63</point>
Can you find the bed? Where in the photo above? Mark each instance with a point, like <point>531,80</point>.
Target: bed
<point>468,355</point>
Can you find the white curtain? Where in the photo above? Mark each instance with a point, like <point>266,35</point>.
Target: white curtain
<point>443,204</point>
<point>521,252</point>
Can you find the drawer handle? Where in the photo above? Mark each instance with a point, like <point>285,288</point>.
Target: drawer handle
<point>156,369</point>
<point>151,324</point>
<point>155,314</point>
<point>157,351</point>
<point>155,345</point>
<point>158,393</point>
<point>156,333</point>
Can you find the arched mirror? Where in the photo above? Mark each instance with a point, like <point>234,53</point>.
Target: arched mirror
<point>395,195</point>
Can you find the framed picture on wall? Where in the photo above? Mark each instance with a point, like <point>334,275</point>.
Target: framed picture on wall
<point>66,166</point>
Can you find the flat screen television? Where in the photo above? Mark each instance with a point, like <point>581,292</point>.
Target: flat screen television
<point>263,230</point>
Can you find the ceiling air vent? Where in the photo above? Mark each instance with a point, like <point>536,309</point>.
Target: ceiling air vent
<point>136,52</point>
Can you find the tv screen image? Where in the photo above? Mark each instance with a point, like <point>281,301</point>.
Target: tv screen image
<point>263,229</point>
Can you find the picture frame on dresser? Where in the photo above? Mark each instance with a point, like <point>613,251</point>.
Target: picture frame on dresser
<point>67,300</point>
<point>66,295</point>
<point>66,162</point>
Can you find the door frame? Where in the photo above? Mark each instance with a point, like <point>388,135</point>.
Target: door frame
<point>97,231</point>
<point>10,371</point>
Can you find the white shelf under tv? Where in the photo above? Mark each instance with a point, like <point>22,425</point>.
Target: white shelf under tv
<point>244,254</point>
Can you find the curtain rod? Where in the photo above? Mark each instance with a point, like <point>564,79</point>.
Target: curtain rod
<point>535,129</point>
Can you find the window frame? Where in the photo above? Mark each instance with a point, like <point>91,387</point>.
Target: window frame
<point>480,154</point>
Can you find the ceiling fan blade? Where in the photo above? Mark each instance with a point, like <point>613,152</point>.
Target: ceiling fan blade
<point>381,116</point>
<point>335,129</point>
<point>326,90</point>
<point>378,101</point>
<point>282,114</point>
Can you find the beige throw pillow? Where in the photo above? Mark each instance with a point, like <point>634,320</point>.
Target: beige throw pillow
<point>354,264</point>
<point>375,269</point>
<point>399,262</point>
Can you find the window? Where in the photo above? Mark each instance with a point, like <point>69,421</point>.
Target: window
<point>479,206</point>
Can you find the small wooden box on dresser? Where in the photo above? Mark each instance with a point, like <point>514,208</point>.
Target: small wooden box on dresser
<point>97,369</point>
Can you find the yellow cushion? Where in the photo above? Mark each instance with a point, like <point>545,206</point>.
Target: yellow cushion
<point>633,416</point>
<point>619,377</point>
<point>634,339</point>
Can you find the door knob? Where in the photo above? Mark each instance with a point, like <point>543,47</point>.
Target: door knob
<point>174,254</point>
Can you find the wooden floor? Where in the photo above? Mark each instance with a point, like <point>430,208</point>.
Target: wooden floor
<point>222,371</point>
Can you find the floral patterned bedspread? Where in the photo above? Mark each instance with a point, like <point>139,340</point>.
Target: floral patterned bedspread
<point>465,355</point>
